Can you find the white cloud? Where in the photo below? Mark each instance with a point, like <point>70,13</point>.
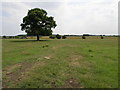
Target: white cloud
<point>72,16</point>
<point>12,17</point>
<point>93,17</point>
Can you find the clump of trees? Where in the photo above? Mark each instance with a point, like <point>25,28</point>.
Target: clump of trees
<point>83,37</point>
<point>101,36</point>
<point>64,37</point>
<point>14,37</point>
<point>52,36</point>
<point>37,23</point>
<point>4,37</point>
<point>58,36</point>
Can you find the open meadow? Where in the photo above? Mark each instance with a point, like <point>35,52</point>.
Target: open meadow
<point>60,63</point>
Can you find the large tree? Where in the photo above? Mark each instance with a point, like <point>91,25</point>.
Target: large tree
<point>38,23</point>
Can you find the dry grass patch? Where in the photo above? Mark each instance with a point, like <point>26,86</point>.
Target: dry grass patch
<point>14,73</point>
<point>74,60</point>
<point>71,83</point>
<point>58,46</point>
<point>17,72</point>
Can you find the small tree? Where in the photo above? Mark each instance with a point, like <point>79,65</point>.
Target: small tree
<point>58,36</point>
<point>4,36</point>
<point>52,36</point>
<point>64,37</point>
<point>83,37</point>
<point>101,36</point>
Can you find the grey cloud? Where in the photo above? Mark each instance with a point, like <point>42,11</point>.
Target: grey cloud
<point>75,17</point>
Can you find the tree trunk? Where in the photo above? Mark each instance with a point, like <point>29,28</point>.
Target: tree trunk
<point>37,37</point>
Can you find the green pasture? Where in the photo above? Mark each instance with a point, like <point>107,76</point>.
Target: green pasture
<point>64,63</point>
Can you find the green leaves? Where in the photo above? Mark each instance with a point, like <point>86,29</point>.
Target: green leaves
<point>38,23</point>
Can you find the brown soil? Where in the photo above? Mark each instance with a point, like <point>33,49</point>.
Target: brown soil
<point>71,83</point>
<point>15,73</point>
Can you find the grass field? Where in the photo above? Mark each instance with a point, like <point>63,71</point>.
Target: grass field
<point>69,63</point>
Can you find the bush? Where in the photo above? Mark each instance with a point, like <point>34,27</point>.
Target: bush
<point>23,37</point>
<point>64,37</point>
<point>101,37</point>
<point>10,37</point>
<point>83,37</point>
<point>58,36</point>
<point>4,37</point>
<point>16,37</point>
<point>52,36</point>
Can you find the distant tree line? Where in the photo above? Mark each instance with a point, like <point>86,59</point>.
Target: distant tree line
<point>14,37</point>
<point>57,36</point>
<point>86,35</point>
<point>25,36</point>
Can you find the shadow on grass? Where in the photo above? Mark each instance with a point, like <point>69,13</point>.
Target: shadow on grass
<point>29,40</point>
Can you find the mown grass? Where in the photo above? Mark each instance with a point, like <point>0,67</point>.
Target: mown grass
<point>89,63</point>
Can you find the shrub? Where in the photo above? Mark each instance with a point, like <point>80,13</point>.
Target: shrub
<point>16,37</point>
<point>23,37</point>
<point>64,37</point>
<point>83,37</point>
<point>4,37</point>
<point>101,37</point>
<point>10,37</point>
<point>58,36</point>
<point>52,36</point>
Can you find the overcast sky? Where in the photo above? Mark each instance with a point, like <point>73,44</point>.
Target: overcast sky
<point>71,16</point>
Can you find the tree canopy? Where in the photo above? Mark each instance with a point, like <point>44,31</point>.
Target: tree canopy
<point>38,23</point>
